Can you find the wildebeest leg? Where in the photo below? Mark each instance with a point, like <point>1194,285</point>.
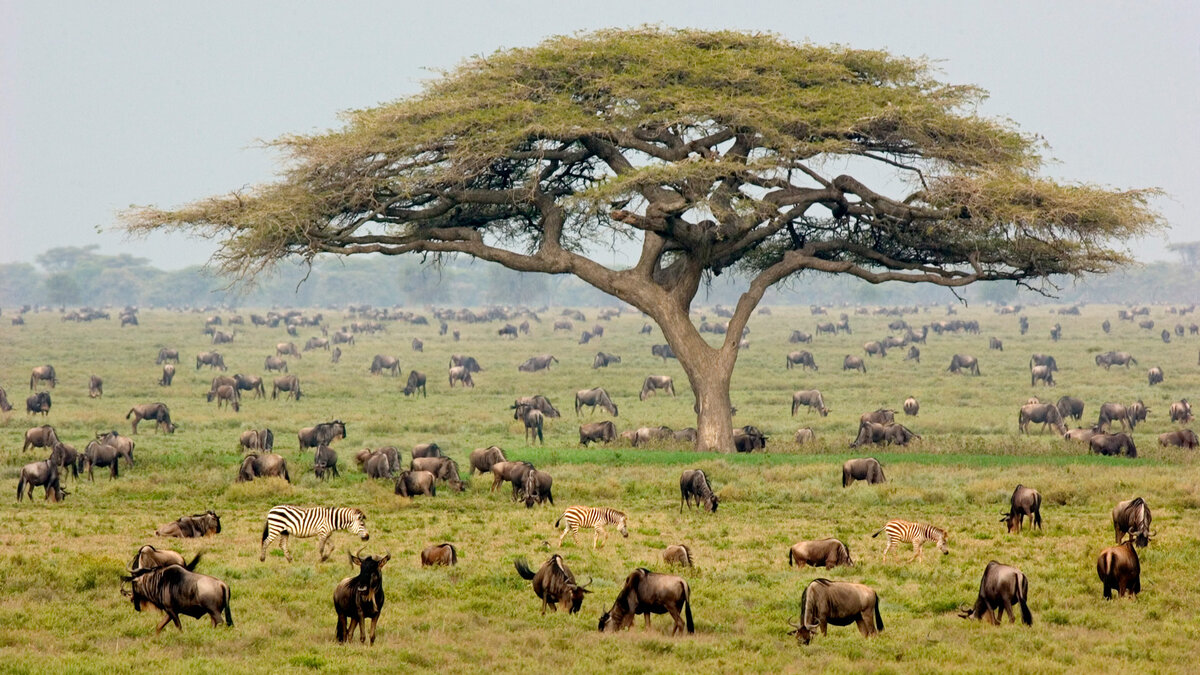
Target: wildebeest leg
<point>283,543</point>
<point>1118,532</point>
<point>824,626</point>
<point>1007,608</point>
<point>353,625</point>
<point>1122,590</point>
<point>678,627</point>
<point>216,618</point>
<point>862,624</point>
<point>362,630</point>
<point>341,628</point>
<point>1107,591</point>
<point>373,620</point>
<point>163,624</point>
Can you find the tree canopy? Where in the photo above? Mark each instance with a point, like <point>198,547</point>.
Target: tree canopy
<point>711,149</point>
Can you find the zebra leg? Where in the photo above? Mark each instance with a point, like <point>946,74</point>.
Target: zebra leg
<point>287,550</point>
<point>564,536</point>
<point>918,549</point>
<point>886,549</point>
<point>600,531</point>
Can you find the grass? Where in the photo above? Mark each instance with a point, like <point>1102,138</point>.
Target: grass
<point>60,564</point>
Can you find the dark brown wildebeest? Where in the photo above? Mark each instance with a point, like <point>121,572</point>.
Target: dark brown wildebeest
<point>316,343</point>
<point>252,383</point>
<point>257,439</point>
<point>383,362</point>
<point>165,355</point>
<point>416,380</point>
<point>594,397</point>
<point>646,329</point>
<point>439,554</point>
<point>1001,587</point>
<point>168,374</point>
<point>799,336</point>
<point>597,432</point>
<point>1137,412</point>
<point>1155,375</point>
<point>802,358</point>
<point>107,450</point>
<point>38,403</point>
<point>443,468</point>
<point>260,465</point>
<point>1044,413</point>
<point>1069,406</point>
<point>1110,359</point>
<point>663,352</point>
<point>287,349</point>
<point>322,434</point>
<point>325,459</point>
<point>693,484</point>
<point>964,362</point>
<point>866,468</point>
<point>336,355</point>
<point>176,590</point>
<point>44,473</point>
<point>891,434</point>
<point>1024,502</point>
<point>467,362</point>
<point>647,593</point>
<point>839,603</point>
<point>1082,435</point>
<point>508,330</point>
<point>289,384</point>
<point>461,374</point>
<point>95,387</point>
<point>342,337</point>
<point>996,344</point>
<point>654,383</point>
<point>820,553</point>
<point>40,437</point>
<point>748,439</point>
<point>563,324</point>
<point>874,348</point>
<point>360,597</point>
<point>1113,444</point>
<point>554,584</point>
<point>1043,360</point>
<point>536,363</point>
<point>482,459</point>
<point>1120,569</point>
<point>1180,438</point>
<point>418,345</point>
<point>427,450</point>
<point>603,360</point>
<point>43,374</point>
<point>5,406</point>
<point>225,394</point>
<point>274,363</point>
<point>199,525</point>
<point>1181,411</point>
<point>914,354</point>
<point>220,337</point>
<point>1042,374</point>
<point>1113,412</point>
<point>148,557</point>
<point>513,472</point>
<point>853,363</point>
<point>411,483</point>
<point>686,435</point>
<point>1132,517</point>
<point>537,402</point>
<point>533,419</point>
<point>379,464</point>
<point>811,398</point>
<point>212,360</point>
<point>536,487</point>
<point>911,406</point>
<point>678,554</point>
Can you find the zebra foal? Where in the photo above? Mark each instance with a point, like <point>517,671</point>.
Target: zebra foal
<point>901,531</point>
<point>316,521</point>
<point>576,517</point>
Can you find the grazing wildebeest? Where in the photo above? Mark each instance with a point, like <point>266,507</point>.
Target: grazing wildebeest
<point>1120,569</point>
<point>461,374</point>
<point>536,487</point>
<point>513,472</point>
<point>914,354</point>
<point>964,362</point>
<point>1132,517</point>
<point>900,531</point>
<point>1112,412</point>
<point>597,432</point>
<point>198,525</point>
<point>891,434</point>
<point>1044,413</point>
<point>873,348</point>
<point>664,352</point>
<point>1001,587</point>
<point>1043,360</point>
<point>646,435</point>
<point>411,483</point>
<point>1069,406</point>
<point>225,394</point>
<point>820,553</point>
<point>416,380</point>
<point>878,416</point>
<point>467,362</point>
<point>289,384</point>
<point>678,554</point>
<point>5,406</point>
<point>360,597</point>
<point>748,439</point>
<point>1180,438</point>
<point>40,437</point>
<point>646,330</point>
<point>44,473</point>
<point>263,465</point>
<point>43,374</point>
<point>382,363</point>
<point>322,434</point>
<point>95,387</point>
<point>799,336</point>
<point>168,374</point>
<point>802,358</point>
<point>866,468</point>
<point>38,403</point>
<point>686,435</point>
<point>221,337</point>
<point>336,355</point>
<point>839,603</point>
<point>1110,359</point>
<point>107,450</point>
<point>563,324</point>
<point>257,439</point>
<point>165,355</point>
<point>647,593</point>
<point>508,330</point>
<point>439,554</point>
<point>537,402</point>
<point>554,584</point>
<point>853,363</point>
<point>1138,412</point>
<point>533,419</point>
<point>1181,411</point>
<point>427,450</point>
<point>275,363</point>
<point>176,590</point>
<point>443,468</point>
<point>380,465</point>
<point>1155,375</point>
<point>536,363</point>
<point>594,397</point>
<point>210,359</point>
<point>654,383</point>
<point>804,435</point>
<point>693,484</point>
<point>911,406</point>
<point>418,345</point>
<point>482,459</point>
<point>316,343</point>
<point>325,459</point>
<point>1042,374</point>
<point>148,557</point>
<point>811,398</point>
<point>287,349</point>
<point>603,360</point>
<point>1024,502</point>
<point>1113,444</point>
<point>252,383</point>
<point>996,344</point>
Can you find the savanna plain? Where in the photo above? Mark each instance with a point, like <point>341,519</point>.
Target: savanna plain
<point>61,564</point>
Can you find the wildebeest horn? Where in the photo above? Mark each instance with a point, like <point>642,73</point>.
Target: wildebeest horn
<point>793,625</point>
<point>589,583</point>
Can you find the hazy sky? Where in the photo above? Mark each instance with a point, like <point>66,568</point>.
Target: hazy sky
<point>107,104</point>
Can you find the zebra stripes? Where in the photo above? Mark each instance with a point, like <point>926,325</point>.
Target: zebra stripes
<point>576,517</point>
<point>316,521</point>
<point>901,531</point>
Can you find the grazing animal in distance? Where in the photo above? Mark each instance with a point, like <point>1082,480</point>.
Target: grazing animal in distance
<point>44,473</point>
<point>693,484</point>
<point>536,488</point>
<point>412,483</point>
<point>820,553</point>
<point>1119,568</point>
<point>1132,517</point>
<point>911,406</point>
<point>597,432</point>
<point>536,363</point>
<point>198,525</point>
<point>257,439</point>
<point>148,557</point>
<point>1181,411</point>
<point>176,590</point>
<point>1001,587</point>
<point>1180,438</point>
<point>839,603</point>
<point>647,593</point>
<point>749,439</point>
<point>416,381</point>
<point>227,395</point>
<point>40,437</point>
<point>811,398</point>
<point>95,387</point>
<point>964,362</point>
<point>382,362</point>
<point>286,521</point>
<point>1069,406</point>
<point>853,363</point>
<point>594,397</point>
<point>263,465</point>
<point>902,531</point>
<point>289,385</point>
<point>439,554</point>
<point>1113,444</point>
<point>1045,413</point>
<point>325,460</point>
<point>678,554</point>
<point>1024,502</point>
<point>482,459</point>
<point>1041,374</point>
<point>802,358</point>
<point>158,412</point>
<point>461,375</point>
<point>866,468</point>
<point>43,374</point>
<point>360,597</point>
<point>554,584</point>
<point>604,360</point>
<point>576,517</point>
<point>1155,376</point>
<point>38,403</point>
<point>321,434</point>
<point>654,383</point>
<point>443,468</point>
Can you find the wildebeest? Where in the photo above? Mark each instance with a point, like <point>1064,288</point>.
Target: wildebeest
<point>379,465</point>
<point>1180,438</point>
<point>820,553</point>
<point>748,439</point>
<point>891,434</point>
<point>1043,360</point>
<point>43,374</point>
<point>811,398</point>
<point>252,383</point>
<point>416,381</point>
<point>198,525</point>
<point>439,554</point>
<point>226,394</point>
<point>461,374</point>
<point>44,473</point>
<point>410,483</point>
<point>1113,444</point>
<point>175,590</point>
<point>165,355</point>
<point>647,593</point>
<point>1110,359</point>
<point>1069,406</point>
<point>210,359</point>
<point>336,355</point>
<point>536,487</point>
<point>799,336</point>
<point>287,349</point>
<point>911,406</point>
<point>1181,411</point>
<point>1132,517</point>
<point>107,450</point>
<point>168,374</point>
<point>603,360</point>
<point>594,397</point>
<point>654,383</point>
<point>878,416</point>
<point>257,439</point>
<point>431,449</point>
<point>360,597</point>
<point>995,343</point>
<point>804,435</point>
<point>443,468</point>
<point>40,437</point>
<point>322,434</point>
<point>275,363</point>
<point>508,330</point>
<point>1155,375</point>
<point>148,557</point>
<point>685,435</point>
<point>1044,413</point>
<point>5,406</point>
<point>693,484</point>
<point>533,419</point>
<point>664,352</point>
<point>646,435</point>
<point>482,459</point>
<point>678,554</point>
<point>964,362</point>
<point>536,363</point>
<point>1113,412</point>
<point>263,465</point>
<point>537,402</point>
<point>325,459</point>
<point>1000,588</point>
<point>866,468</point>
<point>839,603</point>
<point>467,362</point>
<point>513,472</point>
<point>316,343</point>
<point>289,384</point>
<point>873,348</point>
<point>554,584</point>
<point>418,345</point>
<point>853,363</point>
<point>95,387</point>
<point>597,432</point>
<point>914,354</point>
<point>1024,502</point>
<point>38,403</point>
<point>1042,374</point>
<point>802,358</point>
<point>1138,412</point>
<point>1120,569</point>
<point>1082,435</point>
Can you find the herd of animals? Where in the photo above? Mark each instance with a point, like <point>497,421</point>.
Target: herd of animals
<point>164,580</point>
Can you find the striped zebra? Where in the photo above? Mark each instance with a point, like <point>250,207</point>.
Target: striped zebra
<point>310,521</point>
<point>900,531</point>
<point>576,517</point>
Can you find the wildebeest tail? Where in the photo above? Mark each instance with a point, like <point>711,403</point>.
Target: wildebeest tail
<point>21,487</point>
<point>129,413</point>
<point>191,567</point>
<point>228,615</point>
<point>453,554</point>
<point>687,609</point>
<point>1022,595</point>
<point>791,561</point>
<point>879,617</point>
<point>523,569</point>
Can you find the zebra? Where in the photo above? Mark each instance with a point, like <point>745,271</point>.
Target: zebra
<point>900,531</point>
<point>576,517</point>
<point>302,521</point>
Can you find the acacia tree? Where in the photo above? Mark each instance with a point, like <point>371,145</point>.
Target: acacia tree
<point>711,149</point>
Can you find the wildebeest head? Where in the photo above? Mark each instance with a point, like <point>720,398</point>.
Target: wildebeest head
<point>369,580</point>
<point>803,633</point>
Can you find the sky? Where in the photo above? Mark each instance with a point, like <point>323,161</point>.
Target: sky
<point>107,105</point>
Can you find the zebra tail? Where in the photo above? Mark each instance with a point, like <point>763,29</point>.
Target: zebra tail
<point>228,615</point>
<point>266,526</point>
<point>879,617</point>
<point>559,519</point>
<point>878,533</point>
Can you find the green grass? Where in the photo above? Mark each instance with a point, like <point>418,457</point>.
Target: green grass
<point>60,565</point>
